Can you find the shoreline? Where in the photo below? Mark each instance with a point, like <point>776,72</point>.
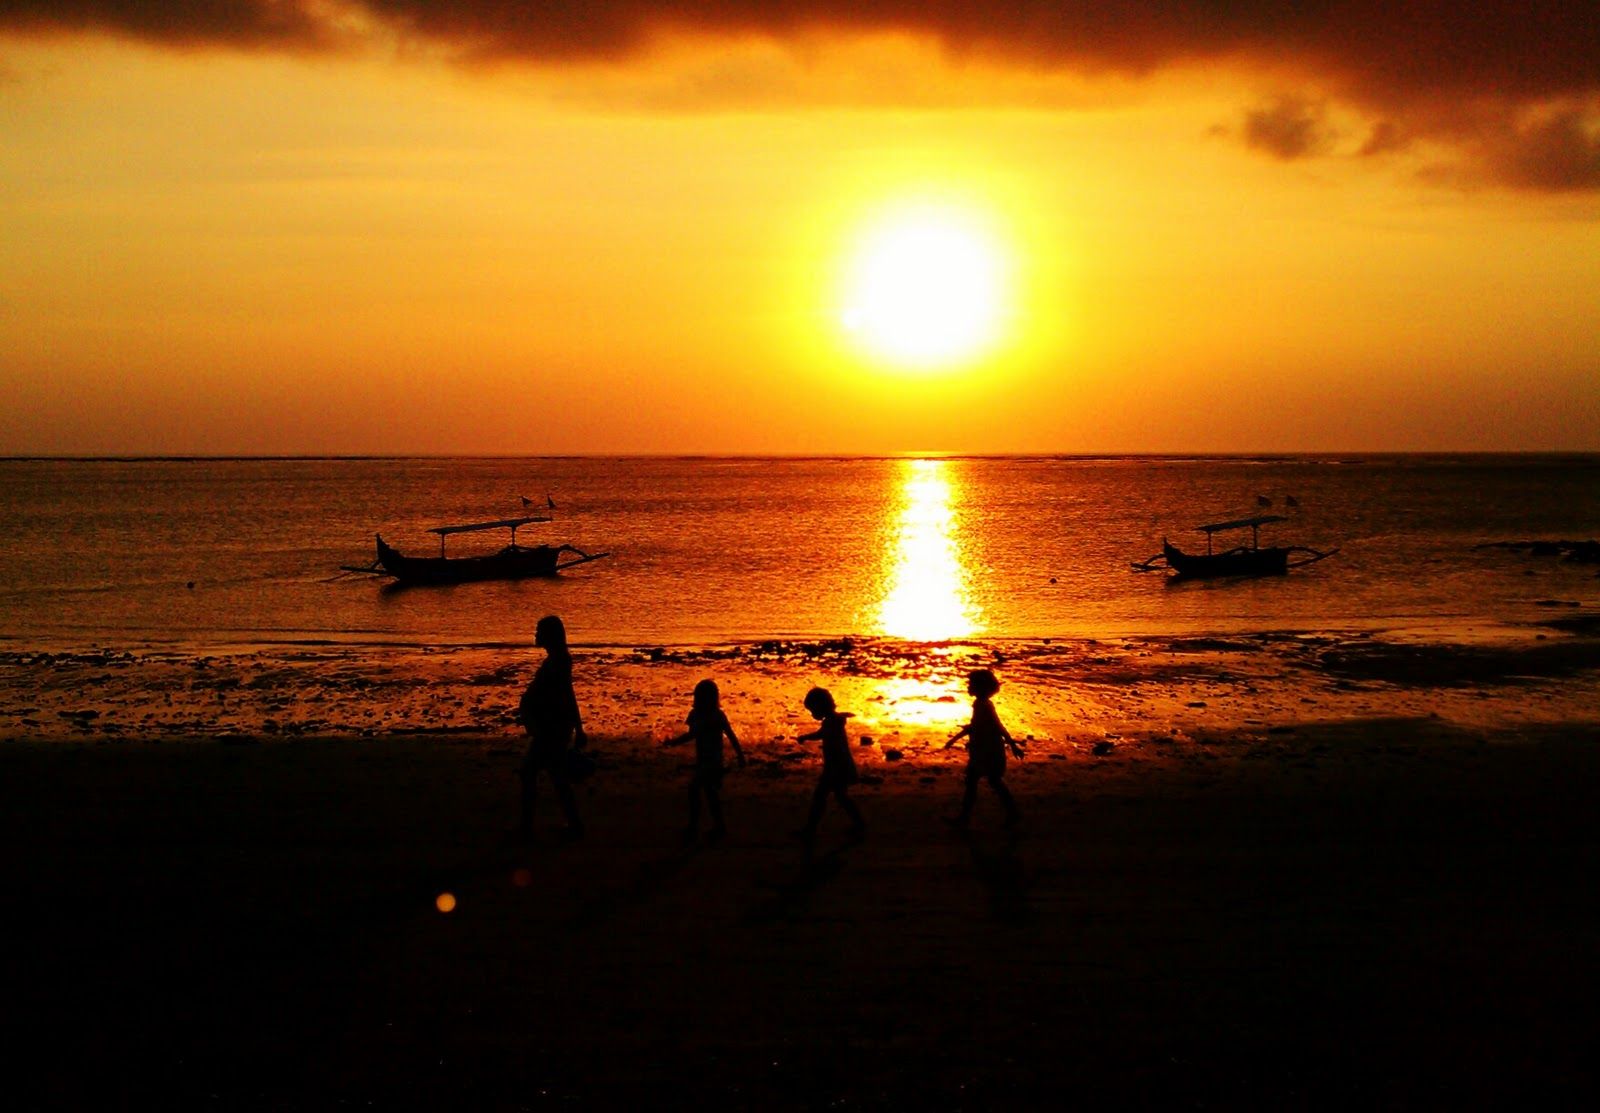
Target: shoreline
<point>1536,614</point>
<point>1062,691</point>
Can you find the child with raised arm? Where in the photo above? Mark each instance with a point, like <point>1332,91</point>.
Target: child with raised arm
<point>987,739</point>
<point>838,767</point>
<point>707,725</point>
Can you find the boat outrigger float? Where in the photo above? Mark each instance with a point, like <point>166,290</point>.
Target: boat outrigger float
<point>1242,560</point>
<point>514,562</point>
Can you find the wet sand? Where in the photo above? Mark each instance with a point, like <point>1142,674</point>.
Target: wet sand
<point>1311,870</point>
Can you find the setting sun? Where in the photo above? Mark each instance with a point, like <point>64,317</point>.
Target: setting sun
<point>925,288</point>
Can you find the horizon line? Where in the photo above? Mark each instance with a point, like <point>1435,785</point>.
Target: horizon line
<point>222,457</point>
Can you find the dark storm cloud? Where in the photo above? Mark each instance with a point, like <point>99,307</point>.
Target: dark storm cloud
<point>236,23</point>
<point>1387,49</point>
<point>1415,67</point>
<point>1561,152</point>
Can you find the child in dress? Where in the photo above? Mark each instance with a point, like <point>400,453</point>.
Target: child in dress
<point>707,725</point>
<point>838,767</point>
<point>987,739</point>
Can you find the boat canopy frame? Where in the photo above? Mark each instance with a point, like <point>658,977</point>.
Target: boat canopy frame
<point>1253,524</point>
<point>472,527</point>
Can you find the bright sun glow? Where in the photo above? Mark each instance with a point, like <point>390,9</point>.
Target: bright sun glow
<point>926,288</point>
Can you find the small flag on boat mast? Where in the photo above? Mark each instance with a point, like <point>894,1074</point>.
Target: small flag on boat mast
<point>527,503</point>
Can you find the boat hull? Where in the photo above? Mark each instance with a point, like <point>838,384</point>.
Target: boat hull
<point>514,562</point>
<point>1235,562</point>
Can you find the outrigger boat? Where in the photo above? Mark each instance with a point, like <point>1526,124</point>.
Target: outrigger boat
<point>514,562</point>
<point>1242,560</point>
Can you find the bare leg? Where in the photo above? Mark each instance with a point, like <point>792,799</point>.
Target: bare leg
<point>714,805</point>
<point>569,805</point>
<point>529,784</point>
<point>1013,815</point>
<point>969,798</point>
<point>694,806</point>
<point>819,798</point>
<point>856,822</point>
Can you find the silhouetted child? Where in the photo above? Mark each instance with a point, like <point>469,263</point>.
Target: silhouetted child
<point>707,725</point>
<point>987,739</point>
<point>838,767</point>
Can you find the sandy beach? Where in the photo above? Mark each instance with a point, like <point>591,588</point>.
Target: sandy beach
<point>1314,869</point>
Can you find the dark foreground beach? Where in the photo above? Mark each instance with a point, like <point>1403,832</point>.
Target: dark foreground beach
<point>1279,871</point>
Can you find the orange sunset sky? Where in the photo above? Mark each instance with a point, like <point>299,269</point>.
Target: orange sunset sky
<point>393,226</point>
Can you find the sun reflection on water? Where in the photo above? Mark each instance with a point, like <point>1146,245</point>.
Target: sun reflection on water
<point>916,702</point>
<point>927,597</point>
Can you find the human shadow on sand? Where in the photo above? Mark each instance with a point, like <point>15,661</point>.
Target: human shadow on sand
<point>791,895</point>
<point>648,882</point>
<point>1006,879</point>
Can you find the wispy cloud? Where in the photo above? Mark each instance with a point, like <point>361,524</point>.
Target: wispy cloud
<point>1288,128</point>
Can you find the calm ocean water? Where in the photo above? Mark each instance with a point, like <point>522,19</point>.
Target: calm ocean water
<point>716,550</point>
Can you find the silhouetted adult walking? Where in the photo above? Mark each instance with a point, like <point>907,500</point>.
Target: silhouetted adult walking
<point>555,727</point>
